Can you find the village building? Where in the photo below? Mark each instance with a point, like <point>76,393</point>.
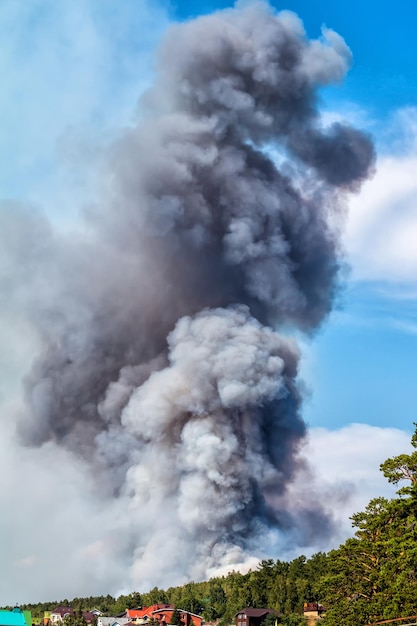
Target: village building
<point>143,615</point>
<point>60,613</point>
<point>313,611</point>
<point>252,617</point>
<point>162,614</point>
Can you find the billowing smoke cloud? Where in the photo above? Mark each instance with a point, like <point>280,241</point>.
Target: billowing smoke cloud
<point>160,363</point>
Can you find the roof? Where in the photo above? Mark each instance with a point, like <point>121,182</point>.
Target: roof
<point>148,610</point>
<point>63,610</point>
<point>250,612</point>
<point>12,618</point>
<point>169,607</point>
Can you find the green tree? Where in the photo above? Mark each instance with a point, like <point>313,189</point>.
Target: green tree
<point>189,598</point>
<point>134,601</point>
<point>154,596</point>
<point>403,467</point>
<point>176,617</point>
<point>294,619</point>
<point>373,575</point>
<point>215,600</point>
<point>270,620</point>
<point>74,620</point>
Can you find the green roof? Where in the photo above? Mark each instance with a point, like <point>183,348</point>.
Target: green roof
<point>14,618</point>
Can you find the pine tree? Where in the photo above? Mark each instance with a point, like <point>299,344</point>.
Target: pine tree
<point>176,617</point>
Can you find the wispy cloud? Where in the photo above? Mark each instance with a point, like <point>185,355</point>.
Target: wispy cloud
<point>382,225</point>
<point>346,466</point>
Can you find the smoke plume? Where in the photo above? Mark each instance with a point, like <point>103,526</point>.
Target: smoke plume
<point>161,364</point>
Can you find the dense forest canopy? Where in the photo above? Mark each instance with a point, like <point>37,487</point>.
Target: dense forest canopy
<point>371,577</point>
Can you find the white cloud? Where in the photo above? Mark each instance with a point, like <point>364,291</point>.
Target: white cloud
<point>346,468</point>
<point>382,225</point>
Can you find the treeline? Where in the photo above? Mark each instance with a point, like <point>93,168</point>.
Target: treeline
<point>371,577</point>
<point>275,584</point>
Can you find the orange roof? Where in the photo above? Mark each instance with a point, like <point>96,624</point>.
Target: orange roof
<point>146,610</point>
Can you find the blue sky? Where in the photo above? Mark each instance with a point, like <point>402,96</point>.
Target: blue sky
<point>72,73</point>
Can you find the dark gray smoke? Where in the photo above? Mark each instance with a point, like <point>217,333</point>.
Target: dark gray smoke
<point>219,223</point>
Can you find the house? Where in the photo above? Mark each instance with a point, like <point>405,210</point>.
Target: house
<point>313,611</point>
<point>162,614</point>
<point>143,615</point>
<point>252,617</point>
<point>60,613</point>
<point>16,617</point>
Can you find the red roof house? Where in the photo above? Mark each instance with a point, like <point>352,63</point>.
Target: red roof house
<point>162,613</point>
<point>187,618</point>
<point>143,615</point>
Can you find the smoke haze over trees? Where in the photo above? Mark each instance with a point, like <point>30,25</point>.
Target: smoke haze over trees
<point>369,578</point>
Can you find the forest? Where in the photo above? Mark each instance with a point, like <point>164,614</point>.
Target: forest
<point>370,578</point>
